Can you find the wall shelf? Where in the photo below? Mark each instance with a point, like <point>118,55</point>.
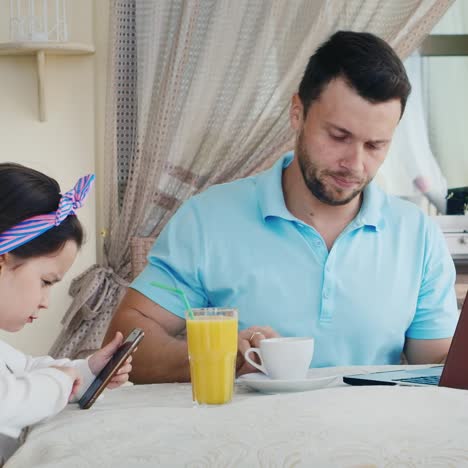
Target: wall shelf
<point>40,50</point>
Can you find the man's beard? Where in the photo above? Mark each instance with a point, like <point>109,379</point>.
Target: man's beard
<point>318,187</point>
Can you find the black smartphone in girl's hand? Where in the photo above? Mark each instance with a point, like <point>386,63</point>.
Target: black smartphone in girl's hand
<point>109,370</point>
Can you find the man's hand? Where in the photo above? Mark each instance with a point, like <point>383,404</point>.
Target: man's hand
<point>100,358</point>
<point>74,375</point>
<point>250,338</point>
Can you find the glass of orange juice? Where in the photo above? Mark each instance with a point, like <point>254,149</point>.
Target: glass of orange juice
<point>212,350</point>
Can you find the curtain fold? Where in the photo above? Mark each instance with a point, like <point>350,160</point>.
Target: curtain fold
<point>199,94</point>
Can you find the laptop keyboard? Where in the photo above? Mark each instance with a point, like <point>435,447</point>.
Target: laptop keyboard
<point>429,380</point>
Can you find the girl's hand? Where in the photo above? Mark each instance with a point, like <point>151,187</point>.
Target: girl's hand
<point>100,358</point>
<point>121,376</point>
<point>74,375</point>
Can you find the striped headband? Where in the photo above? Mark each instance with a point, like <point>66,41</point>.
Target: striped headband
<point>33,227</point>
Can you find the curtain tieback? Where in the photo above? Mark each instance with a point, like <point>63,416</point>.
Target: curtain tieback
<point>90,290</point>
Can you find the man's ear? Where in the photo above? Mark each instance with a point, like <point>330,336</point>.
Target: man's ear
<point>296,113</point>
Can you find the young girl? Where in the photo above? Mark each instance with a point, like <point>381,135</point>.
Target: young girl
<point>39,240</point>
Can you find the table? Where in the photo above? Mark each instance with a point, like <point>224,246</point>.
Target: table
<point>342,426</point>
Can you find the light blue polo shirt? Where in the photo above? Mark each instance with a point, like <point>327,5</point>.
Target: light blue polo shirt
<point>388,276</point>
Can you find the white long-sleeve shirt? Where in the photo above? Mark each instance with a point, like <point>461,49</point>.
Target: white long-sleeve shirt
<point>31,390</point>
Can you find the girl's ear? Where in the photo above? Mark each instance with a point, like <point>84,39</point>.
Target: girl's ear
<point>2,261</point>
<point>6,259</point>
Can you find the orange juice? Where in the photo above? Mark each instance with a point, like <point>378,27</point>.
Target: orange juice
<point>212,348</point>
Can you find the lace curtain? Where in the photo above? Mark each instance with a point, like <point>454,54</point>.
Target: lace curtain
<point>199,94</point>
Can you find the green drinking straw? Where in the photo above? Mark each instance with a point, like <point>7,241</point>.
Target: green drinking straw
<point>176,291</point>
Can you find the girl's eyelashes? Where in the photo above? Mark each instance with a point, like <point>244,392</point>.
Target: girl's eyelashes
<point>46,283</point>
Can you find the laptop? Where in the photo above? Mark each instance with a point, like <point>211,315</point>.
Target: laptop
<point>453,374</point>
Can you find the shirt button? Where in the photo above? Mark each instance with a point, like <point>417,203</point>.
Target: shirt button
<point>318,243</point>
<point>325,295</point>
<point>327,268</point>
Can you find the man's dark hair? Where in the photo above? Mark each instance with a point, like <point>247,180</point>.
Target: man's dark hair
<point>24,193</point>
<point>367,63</point>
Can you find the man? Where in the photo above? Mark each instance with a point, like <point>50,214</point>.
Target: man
<point>310,247</point>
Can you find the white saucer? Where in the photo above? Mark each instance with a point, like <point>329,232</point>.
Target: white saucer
<point>263,383</point>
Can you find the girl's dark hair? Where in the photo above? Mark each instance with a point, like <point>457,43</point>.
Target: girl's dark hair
<point>366,62</point>
<point>24,193</point>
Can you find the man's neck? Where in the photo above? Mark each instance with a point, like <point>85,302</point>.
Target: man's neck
<point>327,219</point>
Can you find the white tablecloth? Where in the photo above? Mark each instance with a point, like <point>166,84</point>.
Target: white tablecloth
<point>342,426</point>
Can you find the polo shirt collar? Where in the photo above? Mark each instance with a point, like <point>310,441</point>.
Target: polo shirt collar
<point>371,212</point>
<point>272,204</point>
<point>270,190</point>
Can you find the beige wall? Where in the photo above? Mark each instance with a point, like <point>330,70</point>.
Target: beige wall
<point>101,35</point>
<point>66,146</point>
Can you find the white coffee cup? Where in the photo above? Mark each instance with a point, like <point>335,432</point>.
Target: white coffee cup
<point>283,358</point>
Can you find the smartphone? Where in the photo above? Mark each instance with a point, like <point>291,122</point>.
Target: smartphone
<point>108,371</point>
